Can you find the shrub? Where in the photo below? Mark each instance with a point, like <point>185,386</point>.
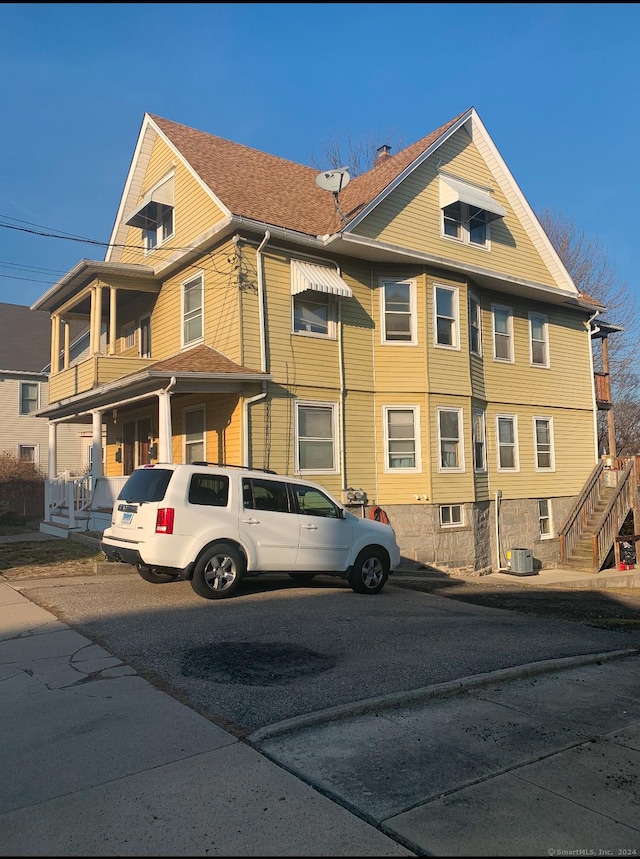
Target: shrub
<point>21,489</point>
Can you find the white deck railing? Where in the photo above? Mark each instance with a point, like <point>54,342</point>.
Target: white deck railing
<point>73,498</point>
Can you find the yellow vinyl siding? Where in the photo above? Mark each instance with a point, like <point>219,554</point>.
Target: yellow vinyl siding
<point>194,210</point>
<point>567,380</point>
<point>399,487</point>
<point>221,307</point>
<point>448,369</point>
<point>399,366</point>
<point>410,217</point>
<point>451,487</point>
<point>573,445</point>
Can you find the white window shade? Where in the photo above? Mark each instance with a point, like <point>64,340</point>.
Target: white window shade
<point>319,278</point>
<point>457,191</point>
<point>163,193</point>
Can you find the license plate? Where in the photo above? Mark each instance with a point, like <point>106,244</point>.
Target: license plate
<point>127,518</point>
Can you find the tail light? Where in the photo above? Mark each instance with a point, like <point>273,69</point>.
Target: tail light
<point>164,520</point>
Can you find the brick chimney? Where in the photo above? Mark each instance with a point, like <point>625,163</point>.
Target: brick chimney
<point>382,153</point>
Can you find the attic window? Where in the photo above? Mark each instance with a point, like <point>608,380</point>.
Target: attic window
<point>467,211</point>
<point>154,214</point>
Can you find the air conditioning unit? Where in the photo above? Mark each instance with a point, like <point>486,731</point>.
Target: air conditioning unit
<point>521,562</point>
<point>354,496</point>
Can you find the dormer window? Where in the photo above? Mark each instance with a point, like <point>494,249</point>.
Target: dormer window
<point>154,214</point>
<point>467,211</point>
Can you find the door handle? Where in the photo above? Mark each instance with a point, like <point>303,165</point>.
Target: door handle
<point>251,521</point>
<point>310,527</point>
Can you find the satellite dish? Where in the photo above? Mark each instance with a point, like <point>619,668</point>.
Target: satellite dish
<point>334,180</point>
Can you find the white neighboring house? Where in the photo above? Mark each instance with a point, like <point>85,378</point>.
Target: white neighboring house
<point>25,356</point>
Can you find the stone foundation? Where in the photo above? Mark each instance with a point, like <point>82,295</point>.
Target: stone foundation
<point>471,549</point>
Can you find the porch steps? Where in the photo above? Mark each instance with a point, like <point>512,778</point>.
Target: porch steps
<point>58,530</point>
<point>581,558</point>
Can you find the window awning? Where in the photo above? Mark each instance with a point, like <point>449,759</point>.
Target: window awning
<point>457,191</point>
<point>306,275</point>
<point>163,193</point>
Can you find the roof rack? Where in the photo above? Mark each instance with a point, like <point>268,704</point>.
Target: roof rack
<point>233,465</point>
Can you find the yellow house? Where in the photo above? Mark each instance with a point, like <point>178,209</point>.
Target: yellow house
<point>408,338</point>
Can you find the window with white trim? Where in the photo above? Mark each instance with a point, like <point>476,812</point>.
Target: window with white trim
<point>479,442</point>
<point>467,224</point>
<point>29,397</point>
<point>398,311</point>
<point>502,333</point>
<point>315,435</point>
<point>450,515</point>
<point>194,435</point>
<point>544,518</point>
<point>543,431</point>
<point>402,451</point>
<point>475,325</point>
<point>192,310</point>
<point>28,453</point>
<point>506,432</point>
<point>314,313</point>
<point>159,225</point>
<point>128,336</point>
<point>539,339</point>
<point>450,439</point>
<point>446,310</point>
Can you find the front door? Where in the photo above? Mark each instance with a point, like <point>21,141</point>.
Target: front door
<point>136,444</point>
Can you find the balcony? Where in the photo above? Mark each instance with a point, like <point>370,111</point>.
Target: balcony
<point>603,390</point>
<point>92,373</point>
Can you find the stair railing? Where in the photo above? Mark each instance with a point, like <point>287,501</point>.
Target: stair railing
<point>616,512</point>
<point>580,512</point>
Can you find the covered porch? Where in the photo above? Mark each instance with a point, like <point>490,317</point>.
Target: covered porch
<point>195,405</point>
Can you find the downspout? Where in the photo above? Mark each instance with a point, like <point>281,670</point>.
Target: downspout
<point>263,351</point>
<point>593,385</point>
<point>341,417</point>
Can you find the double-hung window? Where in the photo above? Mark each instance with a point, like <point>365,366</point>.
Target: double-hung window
<point>401,438</point>
<point>539,335</point>
<point>314,313</point>
<point>398,311</point>
<point>192,310</point>
<point>544,517</point>
<point>479,442</point>
<point>506,430</point>
<point>502,333</point>
<point>475,326</point>
<point>450,439</point>
<point>315,433</point>
<point>194,435</point>
<point>543,428</point>
<point>446,316</point>
<point>29,395</point>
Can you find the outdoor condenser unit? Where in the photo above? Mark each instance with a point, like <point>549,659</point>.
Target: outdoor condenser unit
<point>521,562</point>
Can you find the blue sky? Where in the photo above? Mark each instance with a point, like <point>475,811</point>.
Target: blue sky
<point>556,85</point>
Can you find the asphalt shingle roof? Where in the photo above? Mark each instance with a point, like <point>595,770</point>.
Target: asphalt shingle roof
<point>200,359</point>
<point>275,191</point>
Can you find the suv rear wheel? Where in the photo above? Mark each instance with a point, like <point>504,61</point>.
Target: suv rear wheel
<point>370,571</point>
<point>219,572</point>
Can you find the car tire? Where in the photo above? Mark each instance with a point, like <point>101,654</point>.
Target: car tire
<point>302,578</point>
<point>370,571</point>
<point>219,571</point>
<point>149,575</point>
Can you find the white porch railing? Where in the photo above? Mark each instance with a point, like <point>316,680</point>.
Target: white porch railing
<point>73,498</point>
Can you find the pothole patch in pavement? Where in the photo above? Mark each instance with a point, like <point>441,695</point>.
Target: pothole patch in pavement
<point>253,663</point>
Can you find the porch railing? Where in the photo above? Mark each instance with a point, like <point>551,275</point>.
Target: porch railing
<point>581,511</point>
<point>67,496</point>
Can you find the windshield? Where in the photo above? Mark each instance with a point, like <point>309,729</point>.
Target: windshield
<point>147,484</point>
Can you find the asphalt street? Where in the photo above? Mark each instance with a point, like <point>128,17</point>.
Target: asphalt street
<point>278,651</point>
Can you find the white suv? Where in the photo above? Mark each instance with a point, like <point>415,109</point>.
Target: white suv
<point>215,525</point>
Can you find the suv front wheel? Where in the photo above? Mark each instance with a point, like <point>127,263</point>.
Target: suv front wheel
<point>370,571</point>
<point>219,572</point>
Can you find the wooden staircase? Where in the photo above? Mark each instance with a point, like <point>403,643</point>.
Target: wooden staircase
<point>591,529</point>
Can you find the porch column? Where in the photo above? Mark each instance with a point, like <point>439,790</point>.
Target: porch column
<point>55,344</point>
<point>67,342</point>
<point>96,446</point>
<point>611,424</point>
<point>96,319</point>
<point>113,322</point>
<point>52,471</point>
<point>165,431</point>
